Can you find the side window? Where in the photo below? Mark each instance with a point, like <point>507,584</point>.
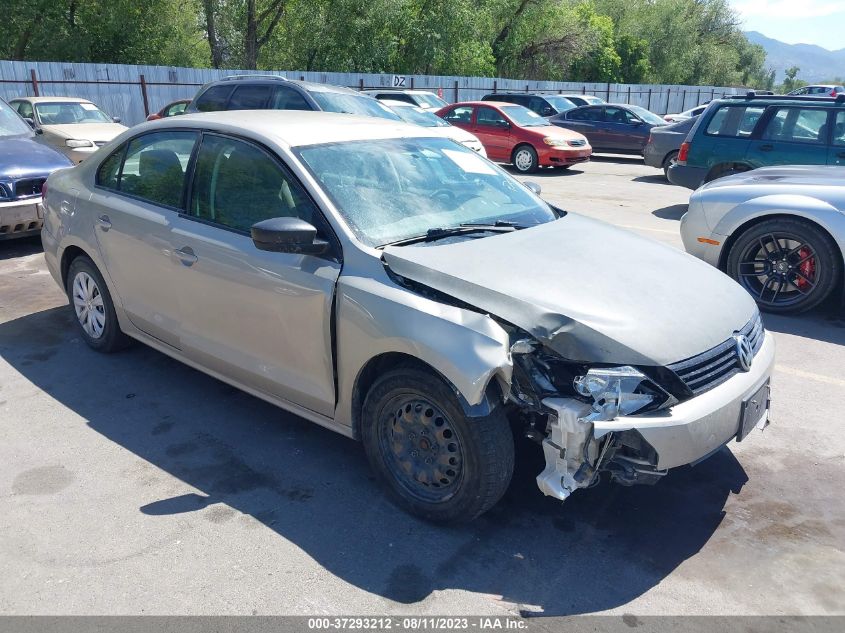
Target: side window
<point>237,184</point>
<point>839,129</point>
<point>797,125</point>
<point>214,99</point>
<point>540,106</point>
<point>176,108</point>
<point>397,96</point>
<point>155,164</point>
<point>248,97</point>
<point>734,121</point>
<point>110,169</point>
<point>285,98</point>
<point>25,109</point>
<point>618,115</point>
<point>462,114</point>
<point>491,118</point>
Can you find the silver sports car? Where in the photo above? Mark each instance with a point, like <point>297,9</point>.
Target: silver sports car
<point>779,231</point>
<point>400,289</point>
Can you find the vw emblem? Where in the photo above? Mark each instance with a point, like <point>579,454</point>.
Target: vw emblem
<point>744,352</point>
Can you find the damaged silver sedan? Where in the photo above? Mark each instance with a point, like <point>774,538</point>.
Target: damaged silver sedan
<point>404,291</point>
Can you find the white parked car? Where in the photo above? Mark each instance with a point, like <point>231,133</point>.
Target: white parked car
<point>75,127</point>
<point>417,116</point>
<point>424,99</point>
<point>778,231</point>
<point>686,114</point>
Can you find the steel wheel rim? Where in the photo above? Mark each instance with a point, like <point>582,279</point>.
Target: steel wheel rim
<point>779,269</point>
<point>88,305</point>
<point>523,160</point>
<point>422,447</point>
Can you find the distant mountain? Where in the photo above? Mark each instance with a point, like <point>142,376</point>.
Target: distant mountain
<point>816,63</point>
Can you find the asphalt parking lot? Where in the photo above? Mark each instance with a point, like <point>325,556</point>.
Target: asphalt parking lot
<point>131,484</point>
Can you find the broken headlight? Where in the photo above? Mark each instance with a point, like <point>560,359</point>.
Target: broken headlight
<point>620,391</point>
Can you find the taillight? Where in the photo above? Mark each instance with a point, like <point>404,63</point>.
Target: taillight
<point>833,93</point>
<point>683,152</point>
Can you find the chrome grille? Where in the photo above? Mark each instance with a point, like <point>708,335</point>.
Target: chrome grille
<point>28,188</point>
<point>713,367</point>
<point>577,143</point>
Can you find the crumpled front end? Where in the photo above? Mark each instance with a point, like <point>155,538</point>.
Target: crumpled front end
<point>632,424</point>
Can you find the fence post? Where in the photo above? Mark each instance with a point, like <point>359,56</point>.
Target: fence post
<point>648,107</point>
<point>412,83</point>
<point>684,101</point>
<point>34,80</point>
<point>583,90</point>
<point>712,93</point>
<point>360,84</point>
<point>608,91</point>
<point>495,86</point>
<point>698,98</point>
<point>668,92</point>
<point>629,96</point>
<point>144,96</point>
<point>456,91</point>
<point>526,87</point>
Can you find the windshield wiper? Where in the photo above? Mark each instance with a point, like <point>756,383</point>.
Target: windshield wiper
<point>436,233</point>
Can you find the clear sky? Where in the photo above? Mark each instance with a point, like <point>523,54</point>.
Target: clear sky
<point>820,22</point>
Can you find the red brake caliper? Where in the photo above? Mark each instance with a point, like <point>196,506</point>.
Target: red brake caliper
<point>807,268</point>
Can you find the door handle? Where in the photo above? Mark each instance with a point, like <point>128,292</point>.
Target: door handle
<point>766,148</point>
<point>186,256</point>
<point>103,222</point>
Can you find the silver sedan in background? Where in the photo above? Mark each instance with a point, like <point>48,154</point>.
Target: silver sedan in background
<point>778,231</point>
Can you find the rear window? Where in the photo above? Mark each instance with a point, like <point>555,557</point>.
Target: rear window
<point>214,99</point>
<point>734,121</point>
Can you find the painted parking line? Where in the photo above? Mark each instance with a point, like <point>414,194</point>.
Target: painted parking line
<point>800,373</point>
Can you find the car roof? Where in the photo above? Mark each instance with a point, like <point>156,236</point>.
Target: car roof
<point>52,99</point>
<point>400,91</point>
<point>293,128</point>
<point>309,86</point>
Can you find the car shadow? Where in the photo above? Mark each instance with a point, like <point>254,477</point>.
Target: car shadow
<point>617,158</point>
<point>600,549</point>
<point>826,323</point>
<point>672,212</point>
<point>20,247</point>
<point>544,172</point>
<point>657,179</point>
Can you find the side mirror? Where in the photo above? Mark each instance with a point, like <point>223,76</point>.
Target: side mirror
<point>30,121</point>
<point>287,235</point>
<point>534,187</point>
<point>637,122</point>
<point>116,119</point>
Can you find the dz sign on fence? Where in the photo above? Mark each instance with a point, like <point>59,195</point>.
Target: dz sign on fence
<point>398,81</point>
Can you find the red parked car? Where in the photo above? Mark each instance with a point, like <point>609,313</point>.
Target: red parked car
<point>171,109</point>
<point>514,134</point>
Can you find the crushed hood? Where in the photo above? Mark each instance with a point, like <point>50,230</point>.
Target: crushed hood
<point>589,291</point>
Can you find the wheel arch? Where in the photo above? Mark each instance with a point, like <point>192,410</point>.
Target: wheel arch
<point>522,144</point>
<point>736,232</point>
<point>70,253</point>
<point>381,363</point>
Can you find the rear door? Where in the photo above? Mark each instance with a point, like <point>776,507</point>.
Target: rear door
<point>792,135</point>
<point>587,120</point>
<point>138,195</point>
<point>624,131</point>
<point>836,153</point>
<point>493,129</point>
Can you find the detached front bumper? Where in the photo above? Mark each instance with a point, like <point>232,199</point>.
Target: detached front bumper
<point>20,218</point>
<point>684,434</point>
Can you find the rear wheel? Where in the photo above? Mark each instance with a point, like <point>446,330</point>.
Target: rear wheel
<point>93,307</point>
<point>525,159</point>
<point>787,265</point>
<point>670,160</point>
<point>438,463</point>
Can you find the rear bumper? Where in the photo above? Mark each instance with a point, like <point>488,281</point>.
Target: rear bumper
<point>687,176</point>
<point>692,430</point>
<point>20,218</point>
<point>652,157</point>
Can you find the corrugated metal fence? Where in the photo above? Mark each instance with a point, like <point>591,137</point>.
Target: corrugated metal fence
<point>132,92</point>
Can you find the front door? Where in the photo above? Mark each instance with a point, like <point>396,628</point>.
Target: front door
<point>261,318</point>
<point>493,129</point>
<point>792,135</point>
<point>136,201</point>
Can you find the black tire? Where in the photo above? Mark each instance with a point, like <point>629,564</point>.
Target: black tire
<point>459,469</point>
<point>110,338</point>
<point>524,159</point>
<point>801,267</point>
<point>670,159</point>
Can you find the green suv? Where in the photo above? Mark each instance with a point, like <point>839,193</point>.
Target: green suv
<point>741,133</point>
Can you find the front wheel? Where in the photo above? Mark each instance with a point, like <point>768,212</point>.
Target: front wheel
<point>438,463</point>
<point>788,265</point>
<point>525,159</point>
